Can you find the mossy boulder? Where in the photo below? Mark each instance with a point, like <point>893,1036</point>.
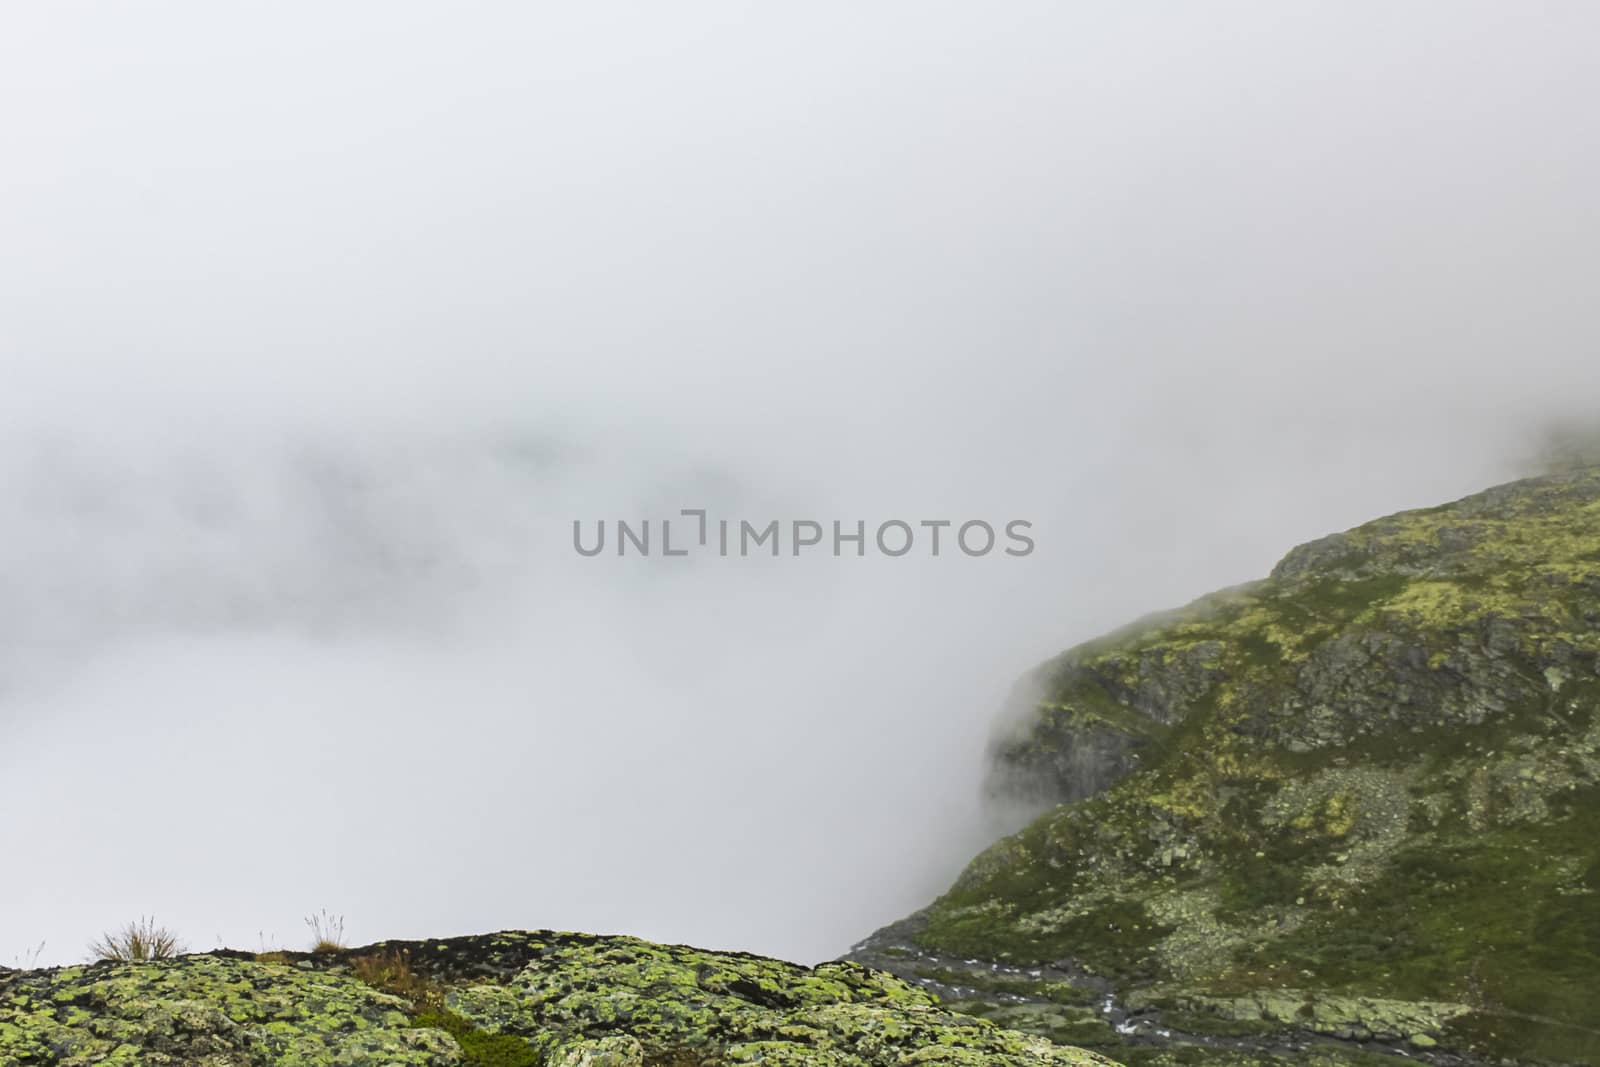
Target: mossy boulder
<point>209,1011</point>
<point>506,1000</point>
<point>1357,799</point>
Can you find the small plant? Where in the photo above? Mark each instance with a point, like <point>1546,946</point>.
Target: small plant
<point>327,931</point>
<point>392,973</point>
<point>268,950</point>
<point>480,1049</point>
<point>29,960</point>
<point>138,942</point>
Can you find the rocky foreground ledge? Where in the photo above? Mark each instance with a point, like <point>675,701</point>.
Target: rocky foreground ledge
<point>500,1000</point>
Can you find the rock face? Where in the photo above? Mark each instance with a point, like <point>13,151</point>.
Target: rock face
<point>506,1000</point>
<point>1351,808</point>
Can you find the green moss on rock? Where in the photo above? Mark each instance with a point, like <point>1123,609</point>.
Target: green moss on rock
<point>674,1001</point>
<point>509,1000</point>
<point>206,1010</point>
<point>1370,781</point>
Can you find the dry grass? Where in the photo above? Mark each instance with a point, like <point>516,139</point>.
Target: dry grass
<point>327,931</point>
<point>28,960</point>
<point>392,973</point>
<point>139,941</point>
<point>679,1058</point>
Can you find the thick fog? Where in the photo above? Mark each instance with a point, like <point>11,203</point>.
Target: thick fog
<point>321,324</point>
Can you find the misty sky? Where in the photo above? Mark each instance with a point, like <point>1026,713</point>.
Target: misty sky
<point>319,324</point>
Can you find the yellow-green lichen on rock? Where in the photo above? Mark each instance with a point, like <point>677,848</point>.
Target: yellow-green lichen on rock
<point>503,1000</point>
<point>1369,783</point>
<point>206,1010</point>
<point>734,1008</point>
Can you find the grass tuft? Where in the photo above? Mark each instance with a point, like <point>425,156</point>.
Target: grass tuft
<point>140,941</point>
<point>327,931</point>
<point>28,960</point>
<point>392,973</point>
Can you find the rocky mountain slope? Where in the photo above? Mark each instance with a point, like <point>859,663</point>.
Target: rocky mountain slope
<point>1350,810</point>
<point>506,1000</point>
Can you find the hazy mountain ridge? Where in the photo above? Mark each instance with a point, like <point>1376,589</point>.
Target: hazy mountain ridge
<point>1357,801</point>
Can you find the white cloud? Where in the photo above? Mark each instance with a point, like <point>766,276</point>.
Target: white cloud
<point>317,329</point>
